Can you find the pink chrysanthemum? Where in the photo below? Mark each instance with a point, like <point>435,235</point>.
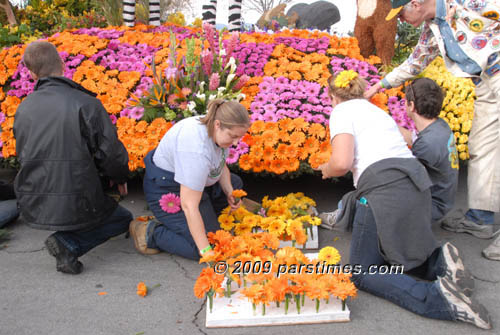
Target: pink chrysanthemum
<point>170,203</point>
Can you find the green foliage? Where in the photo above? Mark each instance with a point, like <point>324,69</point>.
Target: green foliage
<point>10,163</point>
<point>406,39</point>
<point>14,35</point>
<point>51,16</point>
<point>111,10</point>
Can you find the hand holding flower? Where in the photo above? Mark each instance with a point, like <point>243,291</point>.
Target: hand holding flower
<point>234,199</point>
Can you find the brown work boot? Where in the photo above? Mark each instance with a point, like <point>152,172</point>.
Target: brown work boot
<point>138,231</point>
<point>66,262</point>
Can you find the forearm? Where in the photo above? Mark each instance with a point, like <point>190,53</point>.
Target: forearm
<point>342,157</point>
<point>225,181</point>
<point>332,169</point>
<point>423,54</point>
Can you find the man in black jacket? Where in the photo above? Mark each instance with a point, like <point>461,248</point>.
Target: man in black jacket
<point>65,141</point>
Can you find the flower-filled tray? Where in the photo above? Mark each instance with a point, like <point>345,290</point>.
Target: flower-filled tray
<point>237,311</point>
<point>312,236</point>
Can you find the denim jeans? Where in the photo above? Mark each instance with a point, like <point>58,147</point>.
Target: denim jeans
<point>479,215</point>
<point>421,297</point>
<point>81,241</point>
<point>173,235</point>
<point>8,211</point>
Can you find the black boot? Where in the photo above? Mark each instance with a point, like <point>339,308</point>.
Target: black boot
<point>66,261</point>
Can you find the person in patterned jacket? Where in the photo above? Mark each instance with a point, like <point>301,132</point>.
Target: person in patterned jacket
<point>467,35</point>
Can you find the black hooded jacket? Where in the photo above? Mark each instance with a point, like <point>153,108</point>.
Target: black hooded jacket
<point>64,141</point>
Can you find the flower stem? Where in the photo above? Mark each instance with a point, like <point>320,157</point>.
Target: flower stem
<point>317,305</point>
<point>210,300</point>
<point>228,287</point>
<point>263,309</point>
<point>297,302</point>
<point>254,307</point>
<point>277,304</point>
<point>303,299</point>
<point>343,305</point>
<point>287,300</point>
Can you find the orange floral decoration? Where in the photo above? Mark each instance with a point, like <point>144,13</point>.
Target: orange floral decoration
<point>286,146</point>
<point>239,193</point>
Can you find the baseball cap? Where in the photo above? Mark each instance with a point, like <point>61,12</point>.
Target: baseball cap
<point>397,5</point>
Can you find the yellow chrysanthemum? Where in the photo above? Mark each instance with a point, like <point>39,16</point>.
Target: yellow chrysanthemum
<point>242,229</point>
<point>330,255</point>
<point>344,78</point>
<point>226,221</point>
<point>277,227</point>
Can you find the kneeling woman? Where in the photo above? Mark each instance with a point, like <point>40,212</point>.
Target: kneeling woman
<point>190,164</point>
<point>390,212</point>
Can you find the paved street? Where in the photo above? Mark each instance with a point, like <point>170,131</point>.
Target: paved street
<point>35,299</point>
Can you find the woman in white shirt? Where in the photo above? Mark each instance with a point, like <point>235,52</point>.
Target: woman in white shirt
<point>189,166</point>
<point>390,212</point>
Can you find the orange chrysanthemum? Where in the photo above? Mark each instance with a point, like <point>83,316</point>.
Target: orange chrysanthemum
<point>257,127</point>
<point>245,162</point>
<point>238,193</point>
<point>142,289</point>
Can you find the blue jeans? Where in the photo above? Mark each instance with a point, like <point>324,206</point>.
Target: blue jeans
<point>421,297</point>
<point>479,215</point>
<point>81,241</point>
<point>173,235</point>
<point>8,211</point>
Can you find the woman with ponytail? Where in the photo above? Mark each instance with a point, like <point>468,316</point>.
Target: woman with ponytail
<point>187,182</point>
<point>389,212</point>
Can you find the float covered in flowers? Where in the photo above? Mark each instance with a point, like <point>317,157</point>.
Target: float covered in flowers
<point>149,77</point>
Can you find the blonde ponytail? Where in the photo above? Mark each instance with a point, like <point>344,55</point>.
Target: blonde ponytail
<point>229,113</point>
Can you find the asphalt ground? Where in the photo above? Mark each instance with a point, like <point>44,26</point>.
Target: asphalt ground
<point>35,299</point>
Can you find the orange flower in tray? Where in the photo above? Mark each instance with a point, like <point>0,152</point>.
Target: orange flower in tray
<point>208,283</point>
<point>254,293</point>
<point>278,288</point>
<point>343,290</point>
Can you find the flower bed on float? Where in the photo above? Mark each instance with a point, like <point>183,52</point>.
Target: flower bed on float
<point>282,77</point>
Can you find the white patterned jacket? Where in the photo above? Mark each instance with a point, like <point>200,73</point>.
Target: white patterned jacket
<point>475,25</point>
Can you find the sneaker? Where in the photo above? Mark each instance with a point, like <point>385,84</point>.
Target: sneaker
<point>329,219</point>
<point>464,308</point>
<point>66,262</point>
<point>493,250</point>
<point>463,225</point>
<point>138,230</point>
<point>455,269</point>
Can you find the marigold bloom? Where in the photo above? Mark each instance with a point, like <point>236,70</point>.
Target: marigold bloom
<point>226,221</point>
<point>142,289</point>
<point>239,193</point>
<point>330,255</point>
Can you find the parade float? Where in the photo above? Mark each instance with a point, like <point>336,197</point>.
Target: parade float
<point>150,77</point>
